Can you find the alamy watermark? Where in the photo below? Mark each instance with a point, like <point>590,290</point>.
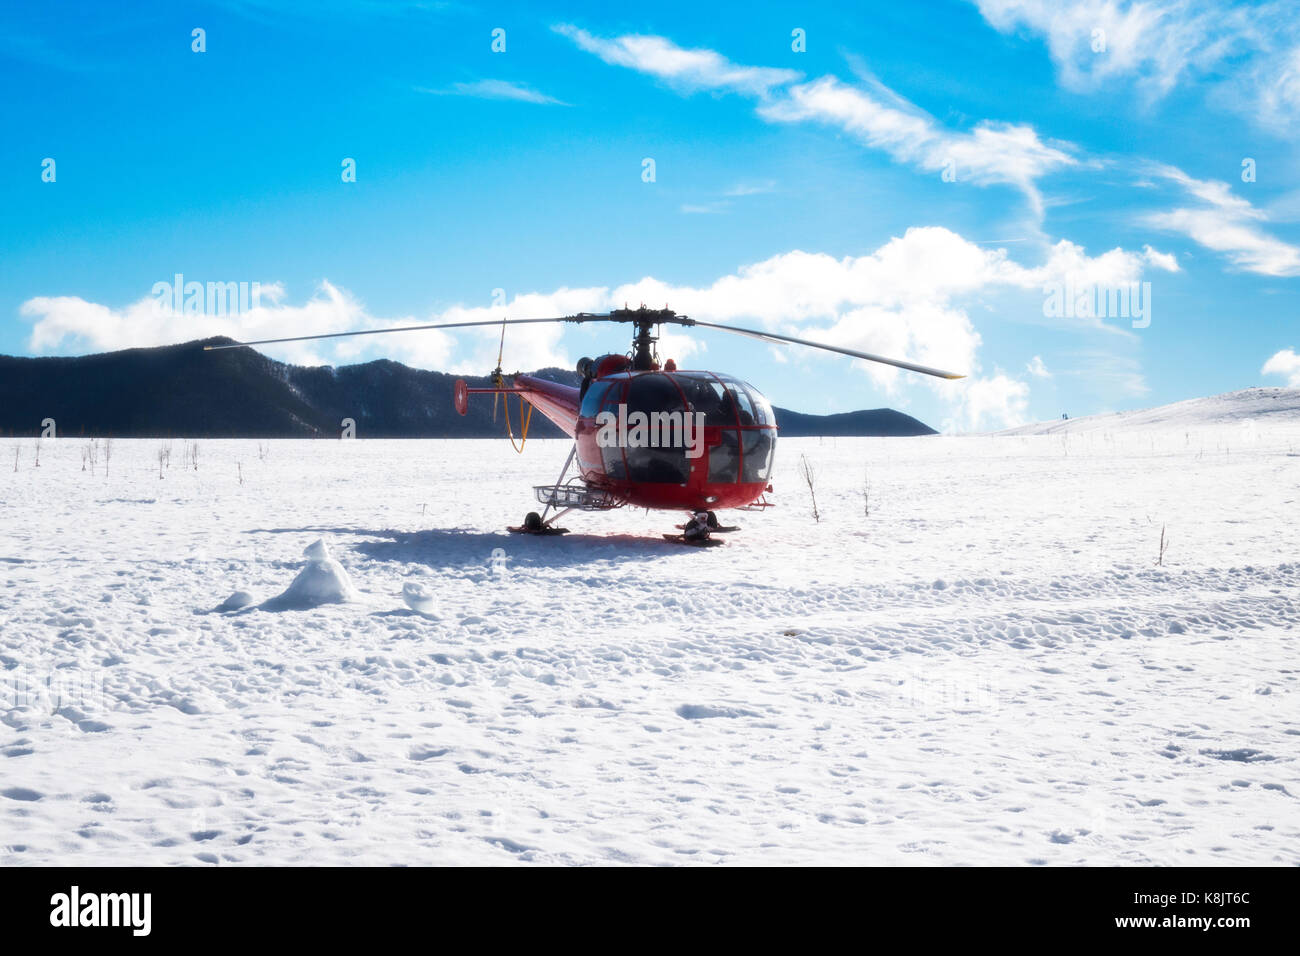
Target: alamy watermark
<point>211,298</point>
<point>677,429</point>
<point>128,910</point>
<point>51,692</point>
<point>1067,300</point>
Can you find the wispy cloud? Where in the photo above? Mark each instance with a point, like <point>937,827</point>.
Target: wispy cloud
<point>496,90</point>
<point>738,191</point>
<point>1225,223</point>
<point>1108,374</point>
<point>751,189</point>
<point>878,117</point>
<point>992,152</point>
<point>1250,54</point>
<point>687,70</point>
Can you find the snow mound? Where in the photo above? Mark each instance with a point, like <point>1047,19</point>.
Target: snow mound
<point>321,581</point>
<point>1281,405</point>
<point>418,597</point>
<point>236,601</point>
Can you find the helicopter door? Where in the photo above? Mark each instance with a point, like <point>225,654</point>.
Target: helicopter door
<point>612,398</point>
<point>724,457</point>
<point>758,445</point>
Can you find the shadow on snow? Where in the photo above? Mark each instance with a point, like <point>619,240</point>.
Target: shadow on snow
<point>457,547</point>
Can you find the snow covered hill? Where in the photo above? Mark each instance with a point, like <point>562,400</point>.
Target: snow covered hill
<point>1254,405</point>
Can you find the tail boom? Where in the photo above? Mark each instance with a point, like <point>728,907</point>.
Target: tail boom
<point>557,402</point>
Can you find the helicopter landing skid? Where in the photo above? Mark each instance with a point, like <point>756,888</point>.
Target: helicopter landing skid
<point>563,498</point>
<point>693,542</point>
<point>714,527</point>
<point>542,531</point>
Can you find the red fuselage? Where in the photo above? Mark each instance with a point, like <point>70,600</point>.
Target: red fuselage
<point>725,462</point>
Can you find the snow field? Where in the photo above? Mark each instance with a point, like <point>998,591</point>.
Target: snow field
<point>990,667</point>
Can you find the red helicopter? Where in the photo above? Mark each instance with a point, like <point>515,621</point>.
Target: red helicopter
<point>644,434</point>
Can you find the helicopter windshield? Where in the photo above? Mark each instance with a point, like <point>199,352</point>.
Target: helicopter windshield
<point>595,394</point>
<point>746,441</point>
<point>705,393</point>
<point>750,403</point>
<point>740,439</point>
<point>654,392</point>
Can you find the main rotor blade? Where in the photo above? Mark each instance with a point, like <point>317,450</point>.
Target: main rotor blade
<point>773,337</point>
<point>605,317</point>
<point>580,317</point>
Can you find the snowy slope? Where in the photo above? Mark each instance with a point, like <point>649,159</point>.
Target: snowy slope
<point>988,668</point>
<point>1248,407</point>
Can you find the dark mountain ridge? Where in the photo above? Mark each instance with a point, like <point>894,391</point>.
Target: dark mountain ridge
<point>240,393</point>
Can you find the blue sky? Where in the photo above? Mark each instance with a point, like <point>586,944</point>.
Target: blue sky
<point>916,182</point>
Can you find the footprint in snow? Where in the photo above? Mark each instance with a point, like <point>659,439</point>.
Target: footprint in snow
<point>23,794</point>
<point>704,712</point>
<point>1241,755</point>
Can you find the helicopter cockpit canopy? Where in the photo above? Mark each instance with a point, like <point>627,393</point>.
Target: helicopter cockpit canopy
<point>740,435</point>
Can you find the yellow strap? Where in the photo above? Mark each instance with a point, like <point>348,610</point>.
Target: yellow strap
<point>523,437</point>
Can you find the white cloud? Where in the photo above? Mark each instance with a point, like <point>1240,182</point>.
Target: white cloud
<point>1212,192</point>
<point>1165,261</point>
<point>1285,363</point>
<point>1069,264</point>
<point>1154,40</point>
<point>1227,224</point>
<point>906,300</point>
<point>1248,247</point>
<point>928,264</point>
<point>687,70</point>
<point>1251,53</point>
<point>752,189</point>
<point>1037,368</point>
<point>496,90</point>
<point>69,322</point>
<point>992,403</point>
<point>1276,83</point>
<point>874,114</point>
<point>990,153</point>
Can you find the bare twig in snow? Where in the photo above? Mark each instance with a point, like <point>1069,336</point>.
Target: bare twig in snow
<point>809,475</point>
